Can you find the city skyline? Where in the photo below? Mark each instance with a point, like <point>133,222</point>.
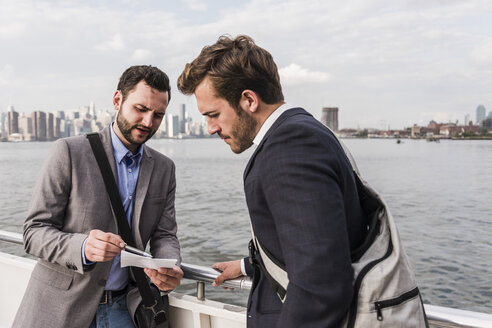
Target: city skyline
<point>398,62</point>
<point>49,126</point>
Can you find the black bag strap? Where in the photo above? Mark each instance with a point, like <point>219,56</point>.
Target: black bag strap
<point>149,301</point>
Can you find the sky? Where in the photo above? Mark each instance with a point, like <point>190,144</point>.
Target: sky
<point>383,63</point>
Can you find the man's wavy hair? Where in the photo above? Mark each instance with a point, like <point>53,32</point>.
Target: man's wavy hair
<point>234,65</point>
<point>154,77</point>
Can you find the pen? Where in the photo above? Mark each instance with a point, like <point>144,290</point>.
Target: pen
<point>137,251</point>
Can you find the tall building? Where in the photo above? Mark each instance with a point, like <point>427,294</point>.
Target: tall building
<point>57,128</point>
<point>329,117</point>
<point>92,110</point>
<point>60,114</point>
<point>169,126</point>
<point>2,124</point>
<point>12,121</point>
<point>480,113</point>
<point>25,127</point>
<point>50,126</point>
<point>172,126</point>
<point>183,119</point>
<point>39,125</point>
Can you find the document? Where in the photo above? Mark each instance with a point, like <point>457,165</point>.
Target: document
<point>130,259</point>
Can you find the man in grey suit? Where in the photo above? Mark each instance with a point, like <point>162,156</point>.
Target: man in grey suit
<point>78,280</point>
<point>300,188</point>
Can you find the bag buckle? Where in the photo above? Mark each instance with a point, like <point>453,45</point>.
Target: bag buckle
<point>105,298</point>
<point>159,315</point>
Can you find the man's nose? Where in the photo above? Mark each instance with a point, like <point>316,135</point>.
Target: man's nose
<point>147,119</point>
<point>213,128</point>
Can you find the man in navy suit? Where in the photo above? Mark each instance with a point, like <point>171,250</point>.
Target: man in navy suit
<point>300,187</point>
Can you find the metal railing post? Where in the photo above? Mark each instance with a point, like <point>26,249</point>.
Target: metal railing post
<point>200,290</point>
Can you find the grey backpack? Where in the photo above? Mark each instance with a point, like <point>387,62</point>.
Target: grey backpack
<point>385,292</point>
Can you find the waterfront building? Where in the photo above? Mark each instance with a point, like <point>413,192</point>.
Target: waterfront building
<point>39,125</point>
<point>81,126</point>
<point>50,132</point>
<point>26,128</point>
<point>329,117</point>
<point>480,113</point>
<point>486,124</point>
<point>92,110</point>
<point>172,126</point>
<point>104,117</point>
<point>2,124</point>
<point>169,126</point>
<point>183,119</point>
<point>60,114</point>
<point>12,121</point>
<point>57,128</point>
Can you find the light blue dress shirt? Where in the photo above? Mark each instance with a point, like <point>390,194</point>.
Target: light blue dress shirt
<point>127,168</point>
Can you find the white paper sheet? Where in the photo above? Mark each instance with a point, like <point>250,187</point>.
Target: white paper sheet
<point>130,259</point>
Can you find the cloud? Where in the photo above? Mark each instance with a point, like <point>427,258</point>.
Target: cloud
<point>115,44</point>
<point>296,75</point>
<point>481,55</point>
<point>7,75</point>
<point>142,55</point>
<point>197,5</point>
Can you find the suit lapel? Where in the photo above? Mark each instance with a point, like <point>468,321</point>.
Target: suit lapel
<point>288,113</point>
<point>105,135</point>
<point>144,175</point>
<point>108,147</point>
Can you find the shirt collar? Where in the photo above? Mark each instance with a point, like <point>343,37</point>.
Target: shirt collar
<point>119,149</point>
<point>269,122</point>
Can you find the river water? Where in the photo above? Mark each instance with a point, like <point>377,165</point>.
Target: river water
<point>439,193</point>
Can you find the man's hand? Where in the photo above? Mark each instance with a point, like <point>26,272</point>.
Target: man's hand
<point>230,270</point>
<point>165,279</point>
<point>102,246</point>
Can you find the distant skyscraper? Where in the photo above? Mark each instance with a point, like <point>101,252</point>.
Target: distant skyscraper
<point>60,114</point>
<point>183,119</point>
<point>175,125</point>
<point>92,110</point>
<point>25,126</point>
<point>480,113</point>
<point>50,126</point>
<point>39,125</point>
<point>12,121</point>
<point>2,123</point>
<point>467,119</point>
<point>169,126</point>
<point>329,117</point>
<point>57,128</point>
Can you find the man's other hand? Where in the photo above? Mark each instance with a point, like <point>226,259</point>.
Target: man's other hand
<point>230,270</point>
<point>102,246</point>
<point>166,279</point>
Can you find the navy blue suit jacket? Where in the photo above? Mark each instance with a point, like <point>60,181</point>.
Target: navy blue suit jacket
<point>304,207</point>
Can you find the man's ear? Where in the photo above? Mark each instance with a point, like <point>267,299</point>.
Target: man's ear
<point>249,101</point>
<point>117,100</point>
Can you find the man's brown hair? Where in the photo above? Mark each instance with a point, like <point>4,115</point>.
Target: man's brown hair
<point>154,77</point>
<point>234,65</point>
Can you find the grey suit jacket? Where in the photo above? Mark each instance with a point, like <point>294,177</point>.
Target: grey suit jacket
<point>69,201</point>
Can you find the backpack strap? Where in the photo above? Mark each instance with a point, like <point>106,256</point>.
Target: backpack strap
<point>148,299</point>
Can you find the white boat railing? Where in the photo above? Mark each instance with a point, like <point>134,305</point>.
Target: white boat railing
<point>438,316</point>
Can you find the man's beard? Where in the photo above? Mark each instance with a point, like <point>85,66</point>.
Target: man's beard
<point>126,129</point>
<point>243,131</point>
